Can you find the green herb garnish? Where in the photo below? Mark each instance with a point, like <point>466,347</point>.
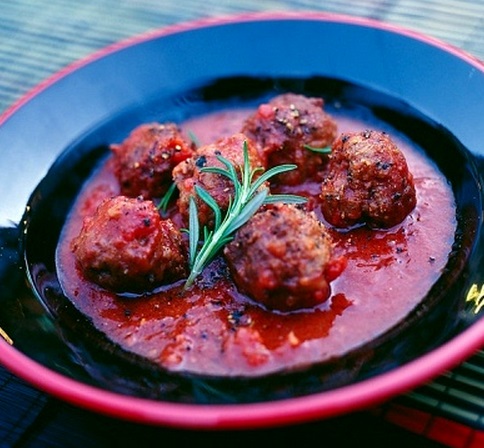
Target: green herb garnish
<point>325,150</point>
<point>248,197</point>
<point>194,139</point>
<point>165,200</point>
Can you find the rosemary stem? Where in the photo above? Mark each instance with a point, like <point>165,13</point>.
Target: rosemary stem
<point>207,250</point>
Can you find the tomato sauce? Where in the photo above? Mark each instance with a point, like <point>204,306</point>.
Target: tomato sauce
<point>211,329</point>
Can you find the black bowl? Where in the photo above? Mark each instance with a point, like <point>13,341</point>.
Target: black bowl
<point>403,79</point>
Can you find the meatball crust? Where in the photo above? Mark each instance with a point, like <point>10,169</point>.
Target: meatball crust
<point>126,247</point>
<point>282,258</point>
<point>143,162</point>
<point>282,127</point>
<point>367,181</point>
<point>188,174</point>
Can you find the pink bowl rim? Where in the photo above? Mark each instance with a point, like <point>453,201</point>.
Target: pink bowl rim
<point>364,394</point>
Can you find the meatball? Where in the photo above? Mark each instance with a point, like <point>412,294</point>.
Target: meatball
<point>367,181</point>
<point>284,126</point>
<point>126,247</point>
<point>283,259</point>
<point>188,174</point>
<point>143,162</point>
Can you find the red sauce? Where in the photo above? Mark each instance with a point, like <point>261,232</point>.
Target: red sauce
<point>214,330</point>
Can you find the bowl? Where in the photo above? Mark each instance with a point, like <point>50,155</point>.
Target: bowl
<point>58,133</point>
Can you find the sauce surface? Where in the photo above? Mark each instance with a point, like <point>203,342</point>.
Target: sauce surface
<point>211,329</point>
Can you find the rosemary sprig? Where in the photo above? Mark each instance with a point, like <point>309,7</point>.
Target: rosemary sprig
<point>165,200</point>
<point>192,136</point>
<point>325,150</point>
<point>248,197</point>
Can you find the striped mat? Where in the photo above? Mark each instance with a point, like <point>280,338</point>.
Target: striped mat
<point>39,37</point>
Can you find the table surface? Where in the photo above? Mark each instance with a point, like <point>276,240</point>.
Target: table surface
<point>38,38</point>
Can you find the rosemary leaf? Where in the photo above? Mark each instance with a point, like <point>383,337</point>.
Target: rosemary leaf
<point>325,150</point>
<point>285,198</point>
<point>165,200</point>
<point>205,197</point>
<point>270,173</point>
<point>231,169</point>
<point>206,233</point>
<point>217,170</point>
<point>194,139</point>
<point>193,230</point>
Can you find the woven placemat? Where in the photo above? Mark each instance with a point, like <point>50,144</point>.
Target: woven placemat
<point>38,38</point>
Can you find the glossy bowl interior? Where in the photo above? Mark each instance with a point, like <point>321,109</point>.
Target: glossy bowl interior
<point>401,78</point>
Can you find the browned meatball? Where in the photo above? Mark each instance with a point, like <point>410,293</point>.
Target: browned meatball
<point>283,259</point>
<point>282,128</point>
<point>188,174</point>
<point>143,162</point>
<point>126,247</point>
<point>367,181</point>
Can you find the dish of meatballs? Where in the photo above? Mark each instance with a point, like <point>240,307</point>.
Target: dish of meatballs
<point>251,241</point>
